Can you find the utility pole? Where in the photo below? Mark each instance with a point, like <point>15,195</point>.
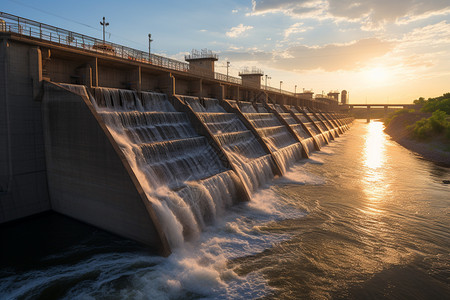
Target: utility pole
<point>104,24</point>
<point>228,65</point>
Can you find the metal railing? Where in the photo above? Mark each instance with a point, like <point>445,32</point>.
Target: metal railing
<point>202,54</point>
<point>272,89</point>
<point>29,28</point>
<point>65,37</point>
<point>252,71</point>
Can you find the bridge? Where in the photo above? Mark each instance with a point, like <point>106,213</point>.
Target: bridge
<point>386,106</point>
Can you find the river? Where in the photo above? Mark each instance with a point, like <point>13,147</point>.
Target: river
<point>363,218</point>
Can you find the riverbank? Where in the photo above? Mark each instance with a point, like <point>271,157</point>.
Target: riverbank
<point>435,149</point>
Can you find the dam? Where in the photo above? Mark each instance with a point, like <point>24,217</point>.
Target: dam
<point>143,146</point>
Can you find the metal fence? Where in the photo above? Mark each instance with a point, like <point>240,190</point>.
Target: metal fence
<point>59,36</point>
<point>64,37</point>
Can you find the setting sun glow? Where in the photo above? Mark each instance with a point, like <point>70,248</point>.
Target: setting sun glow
<point>378,76</point>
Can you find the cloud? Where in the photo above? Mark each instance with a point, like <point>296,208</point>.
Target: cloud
<point>295,28</point>
<point>430,35</point>
<point>372,14</point>
<point>238,30</point>
<point>329,58</point>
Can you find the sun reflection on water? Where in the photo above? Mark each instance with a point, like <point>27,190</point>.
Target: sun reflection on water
<point>374,163</point>
<point>374,147</point>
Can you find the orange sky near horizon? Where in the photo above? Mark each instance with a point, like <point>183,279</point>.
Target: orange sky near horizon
<point>379,51</point>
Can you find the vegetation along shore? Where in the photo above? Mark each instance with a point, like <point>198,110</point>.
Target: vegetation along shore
<point>425,130</point>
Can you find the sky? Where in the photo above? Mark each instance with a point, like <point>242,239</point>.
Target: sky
<point>380,51</point>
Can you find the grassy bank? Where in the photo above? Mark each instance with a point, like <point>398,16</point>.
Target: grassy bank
<point>425,131</point>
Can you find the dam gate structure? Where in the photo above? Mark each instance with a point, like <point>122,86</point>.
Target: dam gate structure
<point>140,145</point>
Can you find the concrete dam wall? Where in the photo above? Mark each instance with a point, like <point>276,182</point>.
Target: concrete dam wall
<point>148,153</point>
<point>157,169</point>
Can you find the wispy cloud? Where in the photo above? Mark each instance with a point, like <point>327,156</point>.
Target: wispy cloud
<point>331,57</point>
<point>371,14</point>
<point>295,28</point>
<point>238,31</point>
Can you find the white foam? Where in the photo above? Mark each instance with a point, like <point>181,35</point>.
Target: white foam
<point>199,268</point>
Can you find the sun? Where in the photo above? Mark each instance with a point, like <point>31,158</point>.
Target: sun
<point>378,76</point>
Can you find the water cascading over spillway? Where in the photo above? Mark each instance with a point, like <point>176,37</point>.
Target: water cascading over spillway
<point>306,139</point>
<point>252,162</point>
<point>321,126</point>
<point>331,127</point>
<point>282,144</point>
<point>247,107</point>
<point>172,162</point>
<point>317,135</point>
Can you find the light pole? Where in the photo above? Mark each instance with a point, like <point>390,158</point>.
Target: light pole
<point>149,44</point>
<point>104,24</point>
<point>267,77</point>
<point>280,85</point>
<point>295,90</point>
<point>228,65</point>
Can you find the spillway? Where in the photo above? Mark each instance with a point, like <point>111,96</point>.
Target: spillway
<point>174,164</point>
<point>305,138</point>
<point>316,133</point>
<point>252,163</point>
<point>188,177</point>
<point>285,148</point>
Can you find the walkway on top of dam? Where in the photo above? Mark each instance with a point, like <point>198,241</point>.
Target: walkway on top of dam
<point>62,37</point>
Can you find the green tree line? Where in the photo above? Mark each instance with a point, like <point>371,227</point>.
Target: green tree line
<point>439,121</point>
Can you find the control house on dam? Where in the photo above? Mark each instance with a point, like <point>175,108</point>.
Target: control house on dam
<point>140,145</point>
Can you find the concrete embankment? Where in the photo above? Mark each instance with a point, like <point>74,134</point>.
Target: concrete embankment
<point>435,149</point>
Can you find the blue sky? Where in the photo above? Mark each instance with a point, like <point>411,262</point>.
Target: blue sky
<point>394,51</point>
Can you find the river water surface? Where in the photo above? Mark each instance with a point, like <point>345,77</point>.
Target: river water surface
<point>363,218</point>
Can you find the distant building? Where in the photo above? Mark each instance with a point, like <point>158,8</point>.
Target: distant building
<point>344,97</point>
<point>334,95</point>
<point>307,94</point>
<point>251,77</point>
<point>202,62</point>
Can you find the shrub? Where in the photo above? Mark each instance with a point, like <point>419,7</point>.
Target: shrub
<point>433,104</point>
<point>395,114</point>
<point>422,129</point>
<point>438,122</point>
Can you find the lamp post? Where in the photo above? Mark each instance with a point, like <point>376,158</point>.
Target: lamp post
<point>280,85</point>
<point>149,44</point>
<point>104,24</point>
<point>228,65</point>
<point>295,90</point>
<point>267,77</point>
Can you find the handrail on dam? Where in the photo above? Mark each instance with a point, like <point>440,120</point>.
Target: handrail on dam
<point>33,29</point>
<point>65,37</point>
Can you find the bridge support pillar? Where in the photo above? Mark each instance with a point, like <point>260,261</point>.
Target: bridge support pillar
<point>166,84</point>
<point>219,92</point>
<point>35,63</point>
<point>136,79</point>
<point>94,67</point>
